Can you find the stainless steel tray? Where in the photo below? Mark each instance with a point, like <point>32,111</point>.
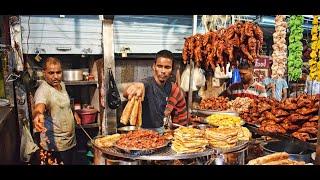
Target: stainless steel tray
<point>167,153</point>
<point>210,112</point>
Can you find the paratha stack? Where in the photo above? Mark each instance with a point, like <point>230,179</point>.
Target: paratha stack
<point>222,137</point>
<point>189,140</point>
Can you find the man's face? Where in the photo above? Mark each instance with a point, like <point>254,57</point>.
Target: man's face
<point>162,69</point>
<point>246,75</point>
<point>53,74</point>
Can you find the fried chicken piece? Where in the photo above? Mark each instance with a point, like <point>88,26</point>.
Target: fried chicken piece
<point>314,118</point>
<point>303,102</point>
<point>297,117</point>
<point>269,115</point>
<point>185,52</point>
<point>245,51</point>
<point>310,124</point>
<point>248,29</point>
<point>306,111</point>
<point>289,126</point>
<point>288,104</point>
<point>259,35</point>
<point>280,119</point>
<point>263,107</point>
<point>272,128</point>
<point>279,112</point>
<point>301,136</point>
<point>310,130</point>
<point>265,122</point>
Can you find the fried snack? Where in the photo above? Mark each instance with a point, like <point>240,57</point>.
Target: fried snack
<point>127,112</point>
<point>107,141</point>
<point>134,113</point>
<point>222,137</point>
<point>139,121</point>
<point>269,158</point>
<point>285,162</point>
<point>187,140</point>
<point>224,120</point>
<point>244,134</point>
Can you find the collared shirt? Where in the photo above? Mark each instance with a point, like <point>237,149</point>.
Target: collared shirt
<point>59,120</point>
<point>280,84</point>
<point>254,90</point>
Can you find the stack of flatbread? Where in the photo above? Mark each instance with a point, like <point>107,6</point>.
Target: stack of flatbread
<point>279,158</point>
<point>107,141</point>
<point>244,134</point>
<point>132,113</point>
<point>189,140</point>
<point>222,137</point>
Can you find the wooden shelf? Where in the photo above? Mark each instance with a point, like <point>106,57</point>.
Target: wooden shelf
<point>93,125</point>
<point>80,83</point>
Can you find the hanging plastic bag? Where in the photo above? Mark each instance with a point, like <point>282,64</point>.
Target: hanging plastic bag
<point>113,95</point>
<point>185,80</point>
<point>236,78</point>
<point>198,78</point>
<point>27,146</point>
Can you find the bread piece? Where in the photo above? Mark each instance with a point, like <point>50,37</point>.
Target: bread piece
<point>134,113</point>
<point>269,158</point>
<point>285,162</point>
<point>139,122</point>
<point>127,112</point>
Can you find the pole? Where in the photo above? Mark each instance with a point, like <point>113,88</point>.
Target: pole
<point>194,31</point>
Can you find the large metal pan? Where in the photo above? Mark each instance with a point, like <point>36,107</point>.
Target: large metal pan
<point>73,75</point>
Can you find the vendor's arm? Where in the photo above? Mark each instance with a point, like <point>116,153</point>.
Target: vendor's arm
<point>134,89</point>
<point>38,117</point>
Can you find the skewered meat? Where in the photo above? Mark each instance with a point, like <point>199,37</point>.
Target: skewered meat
<point>306,111</point>
<point>259,35</point>
<point>310,124</point>
<point>185,52</point>
<point>248,29</point>
<point>252,46</point>
<point>310,130</point>
<point>301,136</point>
<point>245,51</point>
<point>314,118</point>
<point>279,112</point>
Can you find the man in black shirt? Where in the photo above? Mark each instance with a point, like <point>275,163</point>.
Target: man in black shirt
<point>154,91</point>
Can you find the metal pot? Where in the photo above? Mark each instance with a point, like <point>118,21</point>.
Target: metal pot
<point>127,129</point>
<point>73,75</point>
<point>295,150</point>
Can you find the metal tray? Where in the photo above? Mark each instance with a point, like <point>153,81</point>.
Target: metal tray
<point>139,152</point>
<point>210,112</point>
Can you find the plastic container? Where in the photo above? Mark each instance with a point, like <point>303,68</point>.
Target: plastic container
<point>88,116</point>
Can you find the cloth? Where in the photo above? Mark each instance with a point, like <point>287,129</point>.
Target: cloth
<point>280,84</point>
<point>27,146</point>
<point>154,103</point>
<point>254,90</point>
<point>312,87</point>
<point>59,120</point>
<point>177,106</point>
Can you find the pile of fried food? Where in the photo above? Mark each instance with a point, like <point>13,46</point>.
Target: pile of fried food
<point>214,103</point>
<point>189,140</point>
<point>240,40</point>
<point>107,141</point>
<point>224,120</point>
<point>240,104</point>
<point>222,137</point>
<point>296,116</point>
<point>141,139</point>
<point>132,113</point>
<point>279,158</point>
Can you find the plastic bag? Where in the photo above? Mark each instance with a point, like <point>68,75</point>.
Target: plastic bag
<point>185,80</point>
<point>113,95</point>
<point>236,78</point>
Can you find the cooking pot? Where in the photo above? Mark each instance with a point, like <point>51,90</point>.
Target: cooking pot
<point>295,150</point>
<point>73,75</point>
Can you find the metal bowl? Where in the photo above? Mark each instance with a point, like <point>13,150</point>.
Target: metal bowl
<point>127,129</point>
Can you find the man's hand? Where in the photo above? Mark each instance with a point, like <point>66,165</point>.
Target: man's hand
<point>137,89</point>
<point>77,118</point>
<point>38,123</point>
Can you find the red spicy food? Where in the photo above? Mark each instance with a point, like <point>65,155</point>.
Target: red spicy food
<point>141,139</point>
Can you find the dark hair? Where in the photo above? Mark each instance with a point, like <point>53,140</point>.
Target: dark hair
<point>51,60</point>
<point>245,65</point>
<point>165,54</point>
